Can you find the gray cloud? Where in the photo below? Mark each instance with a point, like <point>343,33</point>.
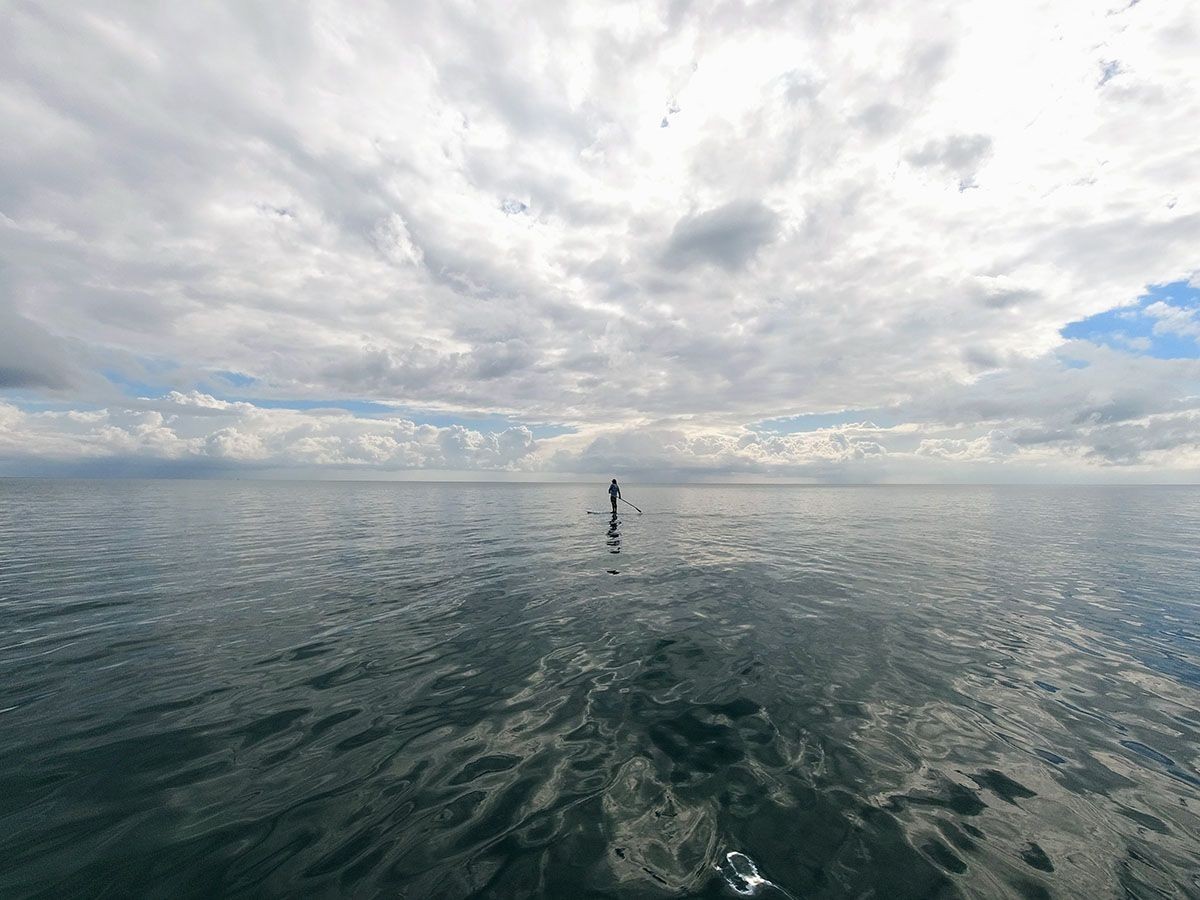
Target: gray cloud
<point>957,153</point>
<point>31,357</point>
<point>728,236</point>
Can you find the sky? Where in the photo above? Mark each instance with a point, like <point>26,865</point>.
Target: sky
<point>822,242</point>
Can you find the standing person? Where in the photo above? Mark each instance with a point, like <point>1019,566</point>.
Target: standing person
<point>614,491</point>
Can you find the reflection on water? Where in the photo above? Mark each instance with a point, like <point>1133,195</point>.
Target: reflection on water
<point>613,540</point>
<point>614,535</point>
<point>743,877</point>
<point>398,689</point>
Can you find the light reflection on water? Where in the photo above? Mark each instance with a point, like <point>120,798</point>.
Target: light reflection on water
<point>479,690</point>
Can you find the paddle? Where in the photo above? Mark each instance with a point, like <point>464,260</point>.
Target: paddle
<point>623,500</point>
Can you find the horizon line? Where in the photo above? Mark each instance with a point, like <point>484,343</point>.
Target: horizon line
<point>591,481</point>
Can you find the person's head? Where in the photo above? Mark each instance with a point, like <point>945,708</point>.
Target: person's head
<point>614,481</point>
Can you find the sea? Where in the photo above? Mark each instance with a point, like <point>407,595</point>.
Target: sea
<point>351,689</point>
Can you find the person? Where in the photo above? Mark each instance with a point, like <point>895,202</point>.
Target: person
<point>614,491</point>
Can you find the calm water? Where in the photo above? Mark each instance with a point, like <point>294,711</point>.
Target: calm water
<point>419,691</point>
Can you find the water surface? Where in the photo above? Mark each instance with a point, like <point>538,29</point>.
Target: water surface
<point>264,689</point>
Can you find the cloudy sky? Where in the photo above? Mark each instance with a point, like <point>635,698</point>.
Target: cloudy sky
<point>854,241</point>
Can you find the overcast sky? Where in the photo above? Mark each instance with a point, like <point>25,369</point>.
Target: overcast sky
<point>851,241</point>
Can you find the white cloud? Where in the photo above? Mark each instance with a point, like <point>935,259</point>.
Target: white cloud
<point>396,243</point>
<point>486,217</point>
<point>991,447</point>
<point>1174,319</point>
<point>1090,427</point>
<point>244,433</point>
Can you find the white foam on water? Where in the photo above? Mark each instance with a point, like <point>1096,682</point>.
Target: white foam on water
<point>742,876</point>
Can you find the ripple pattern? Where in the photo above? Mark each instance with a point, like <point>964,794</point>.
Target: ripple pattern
<point>280,689</point>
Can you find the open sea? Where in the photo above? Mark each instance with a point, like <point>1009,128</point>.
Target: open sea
<point>263,689</point>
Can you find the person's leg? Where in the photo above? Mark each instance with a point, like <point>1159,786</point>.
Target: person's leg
<point>614,502</point>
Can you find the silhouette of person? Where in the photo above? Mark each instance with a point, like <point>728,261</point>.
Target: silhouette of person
<point>614,491</point>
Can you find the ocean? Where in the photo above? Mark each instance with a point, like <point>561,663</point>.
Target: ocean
<point>261,689</point>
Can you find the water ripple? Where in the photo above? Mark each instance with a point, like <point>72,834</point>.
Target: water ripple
<point>457,691</point>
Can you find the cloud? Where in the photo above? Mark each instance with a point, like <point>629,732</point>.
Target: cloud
<point>991,447</point>
<point>395,243</point>
<point>31,357</point>
<point>1174,319</point>
<point>197,429</point>
<point>1115,414</point>
<point>728,236</point>
<point>959,155</point>
<point>660,450</point>
<point>488,220</point>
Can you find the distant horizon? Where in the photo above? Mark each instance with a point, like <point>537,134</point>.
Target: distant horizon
<point>599,482</point>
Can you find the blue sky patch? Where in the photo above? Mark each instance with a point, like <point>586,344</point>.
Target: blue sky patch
<point>1164,323</point>
<point>814,421</point>
<point>370,408</point>
<point>135,387</point>
<point>357,407</point>
<point>482,423</point>
<point>237,379</point>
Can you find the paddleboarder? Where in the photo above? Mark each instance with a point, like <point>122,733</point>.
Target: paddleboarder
<point>614,493</point>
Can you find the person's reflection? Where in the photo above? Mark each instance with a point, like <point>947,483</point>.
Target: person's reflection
<point>614,535</point>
